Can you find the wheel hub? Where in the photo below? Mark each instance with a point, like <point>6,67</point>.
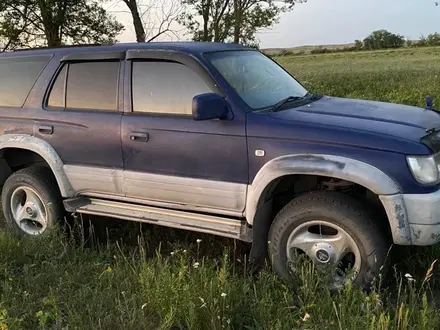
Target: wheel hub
<point>31,210</point>
<point>28,210</point>
<point>326,244</point>
<point>324,253</point>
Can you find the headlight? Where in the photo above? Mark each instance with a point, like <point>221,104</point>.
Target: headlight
<point>424,169</point>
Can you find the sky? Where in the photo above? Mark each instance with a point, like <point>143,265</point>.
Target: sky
<point>321,22</point>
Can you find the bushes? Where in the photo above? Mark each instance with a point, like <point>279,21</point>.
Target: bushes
<point>320,50</point>
<point>383,39</point>
<point>380,39</point>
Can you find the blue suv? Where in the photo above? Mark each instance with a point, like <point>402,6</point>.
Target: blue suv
<point>215,138</point>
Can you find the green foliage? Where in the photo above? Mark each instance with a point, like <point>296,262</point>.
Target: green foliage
<point>423,42</point>
<point>358,45</point>
<point>231,20</point>
<point>433,39</point>
<point>383,39</point>
<point>320,50</point>
<point>208,20</point>
<point>58,284</point>
<point>53,23</point>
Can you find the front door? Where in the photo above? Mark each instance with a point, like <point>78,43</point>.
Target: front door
<point>171,159</point>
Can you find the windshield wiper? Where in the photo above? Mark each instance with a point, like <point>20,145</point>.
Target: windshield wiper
<point>288,99</point>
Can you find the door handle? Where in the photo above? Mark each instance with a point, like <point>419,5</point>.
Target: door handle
<point>138,136</point>
<point>45,129</point>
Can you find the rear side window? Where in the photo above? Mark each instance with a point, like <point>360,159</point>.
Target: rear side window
<point>165,88</point>
<point>86,85</point>
<point>17,76</point>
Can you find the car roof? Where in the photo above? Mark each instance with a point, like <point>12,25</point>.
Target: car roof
<point>190,47</point>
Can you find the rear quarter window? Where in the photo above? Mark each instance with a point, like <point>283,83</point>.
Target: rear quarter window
<point>17,76</point>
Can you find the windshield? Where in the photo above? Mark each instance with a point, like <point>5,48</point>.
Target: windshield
<point>258,80</point>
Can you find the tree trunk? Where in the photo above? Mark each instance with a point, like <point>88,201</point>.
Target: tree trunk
<point>217,32</point>
<point>206,10</point>
<point>237,21</point>
<point>217,21</point>
<point>51,28</point>
<point>137,22</point>
<point>52,36</point>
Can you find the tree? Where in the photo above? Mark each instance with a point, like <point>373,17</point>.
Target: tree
<point>232,20</point>
<point>383,39</point>
<point>433,39</point>
<point>14,30</point>
<point>358,45</point>
<point>153,18</point>
<point>251,15</point>
<point>216,19</point>
<point>56,22</point>
<point>422,42</point>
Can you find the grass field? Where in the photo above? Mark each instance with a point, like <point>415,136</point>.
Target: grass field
<point>404,75</point>
<point>120,275</point>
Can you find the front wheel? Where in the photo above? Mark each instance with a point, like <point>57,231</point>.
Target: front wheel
<point>331,229</point>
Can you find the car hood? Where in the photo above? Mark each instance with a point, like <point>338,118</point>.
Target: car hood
<point>401,121</point>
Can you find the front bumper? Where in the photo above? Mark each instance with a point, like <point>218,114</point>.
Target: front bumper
<point>423,213</point>
<point>414,218</point>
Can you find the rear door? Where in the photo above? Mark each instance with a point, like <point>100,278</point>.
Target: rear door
<point>81,120</point>
<point>168,157</point>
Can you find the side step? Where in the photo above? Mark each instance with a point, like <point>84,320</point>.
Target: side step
<point>209,224</point>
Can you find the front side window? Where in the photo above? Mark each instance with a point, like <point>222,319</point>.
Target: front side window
<point>258,80</point>
<point>89,86</point>
<point>165,87</point>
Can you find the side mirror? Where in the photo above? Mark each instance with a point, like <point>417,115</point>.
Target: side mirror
<point>210,106</point>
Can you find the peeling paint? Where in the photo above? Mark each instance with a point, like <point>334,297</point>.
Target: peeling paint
<point>397,217</point>
<point>400,215</point>
<point>332,166</point>
<point>416,234</point>
<point>17,138</point>
<point>44,149</point>
<point>435,237</point>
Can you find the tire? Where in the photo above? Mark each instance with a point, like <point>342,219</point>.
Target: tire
<point>339,211</point>
<point>36,190</point>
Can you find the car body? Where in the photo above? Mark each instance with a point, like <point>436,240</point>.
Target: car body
<point>192,135</point>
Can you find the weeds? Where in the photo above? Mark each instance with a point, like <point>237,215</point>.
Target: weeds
<point>60,282</point>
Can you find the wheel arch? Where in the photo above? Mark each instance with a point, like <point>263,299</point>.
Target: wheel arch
<point>42,149</point>
<point>259,199</point>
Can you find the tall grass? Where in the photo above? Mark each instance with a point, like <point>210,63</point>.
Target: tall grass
<point>106,283</point>
<point>400,76</point>
<point>116,276</point>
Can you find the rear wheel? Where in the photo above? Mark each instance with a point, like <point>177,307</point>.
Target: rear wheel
<point>331,229</point>
<point>31,201</point>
